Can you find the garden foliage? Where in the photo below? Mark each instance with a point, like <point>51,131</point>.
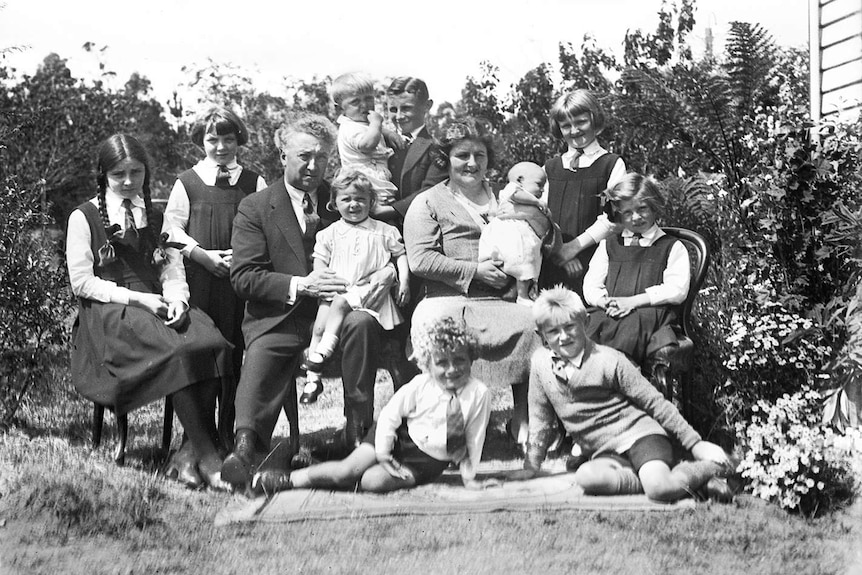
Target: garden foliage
<point>727,134</point>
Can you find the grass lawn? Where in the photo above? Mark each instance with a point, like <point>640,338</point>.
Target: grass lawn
<point>67,509</point>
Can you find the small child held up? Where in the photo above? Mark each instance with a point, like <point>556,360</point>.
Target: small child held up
<point>362,138</point>
<point>516,235</point>
<point>355,246</point>
<point>636,279</point>
<point>440,416</point>
<point>614,414</point>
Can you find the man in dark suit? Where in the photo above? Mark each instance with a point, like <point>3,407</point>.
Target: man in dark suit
<point>273,238</point>
<point>413,167</point>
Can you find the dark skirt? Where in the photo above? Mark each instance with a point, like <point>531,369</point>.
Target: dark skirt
<point>125,357</point>
<point>638,335</point>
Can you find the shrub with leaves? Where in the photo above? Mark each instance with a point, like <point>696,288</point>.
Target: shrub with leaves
<point>35,300</point>
<point>792,459</point>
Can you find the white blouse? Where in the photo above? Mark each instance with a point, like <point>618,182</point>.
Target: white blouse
<point>80,258</point>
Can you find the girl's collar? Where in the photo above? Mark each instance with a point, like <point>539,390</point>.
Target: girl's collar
<point>208,163</point>
<point>114,199</point>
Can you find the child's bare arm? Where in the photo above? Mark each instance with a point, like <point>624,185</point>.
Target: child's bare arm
<point>373,133</point>
<point>521,196</point>
<point>403,280</point>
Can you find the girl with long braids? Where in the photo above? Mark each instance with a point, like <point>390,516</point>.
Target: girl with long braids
<point>136,339</point>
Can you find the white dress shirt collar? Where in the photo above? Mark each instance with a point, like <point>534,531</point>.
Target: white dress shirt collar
<point>209,164</point>
<point>647,238</point>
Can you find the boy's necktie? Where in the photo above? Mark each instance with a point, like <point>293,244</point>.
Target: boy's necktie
<point>129,220</point>
<point>558,366</point>
<point>223,177</point>
<point>456,434</point>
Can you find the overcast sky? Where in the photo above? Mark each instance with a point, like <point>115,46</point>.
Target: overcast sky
<point>441,41</point>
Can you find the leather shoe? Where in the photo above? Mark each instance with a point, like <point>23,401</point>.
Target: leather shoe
<point>239,466</point>
<point>270,482</point>
<point>310,392</point>
<point>183,468</point>
<point>718,489</point>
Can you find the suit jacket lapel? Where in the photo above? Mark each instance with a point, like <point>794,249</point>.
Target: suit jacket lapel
<point>416,150</point>
<point>285,220</point>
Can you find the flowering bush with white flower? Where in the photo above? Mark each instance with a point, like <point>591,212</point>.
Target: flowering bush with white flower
<point>775,339</point>
<point>791,458</point>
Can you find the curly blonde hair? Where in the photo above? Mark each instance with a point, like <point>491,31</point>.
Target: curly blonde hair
<point>441,335</point>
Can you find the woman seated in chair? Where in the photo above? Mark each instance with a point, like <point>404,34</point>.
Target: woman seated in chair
<point>136,340</point>
<point>441,231</point>
<point>637,279</point>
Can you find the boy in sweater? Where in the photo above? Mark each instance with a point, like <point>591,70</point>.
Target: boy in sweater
<point>615,415</point>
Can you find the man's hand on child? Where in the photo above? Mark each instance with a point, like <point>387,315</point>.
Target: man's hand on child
<point>324,284</point>
<point>708,451</point>
<point>381,281</point>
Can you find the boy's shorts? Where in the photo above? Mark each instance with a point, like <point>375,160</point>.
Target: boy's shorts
<point>425,468</point>
<point>648,448</point>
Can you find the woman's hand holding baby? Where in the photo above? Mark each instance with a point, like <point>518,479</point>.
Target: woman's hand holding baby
<point>489,272</point>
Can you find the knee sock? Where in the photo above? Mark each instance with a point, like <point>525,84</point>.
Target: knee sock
<point>628,482</point>
<point>694,474</point>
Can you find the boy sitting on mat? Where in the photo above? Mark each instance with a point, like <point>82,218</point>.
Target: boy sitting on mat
<point>439,417</point>
<point>613,413</point>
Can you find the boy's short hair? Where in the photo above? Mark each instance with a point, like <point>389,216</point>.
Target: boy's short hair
<point>219,121</point>
<point>345,178</point>
<point>558,305</point>
<point>634,185</point>
<point>349,84</point>
<point>409,85</point>
<point>573,104</point>
<point>442,334</point>
<point>523,169</point>
<point>303,122</point>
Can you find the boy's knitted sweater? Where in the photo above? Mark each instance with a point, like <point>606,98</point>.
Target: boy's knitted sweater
<point>606,405</point>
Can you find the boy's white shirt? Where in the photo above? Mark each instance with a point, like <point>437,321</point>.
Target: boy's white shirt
<point>427,402</point>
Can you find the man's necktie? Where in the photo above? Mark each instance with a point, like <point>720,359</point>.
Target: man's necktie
<point>223,177</point>
<point>311,218</point>
<point>129,220</point>
<point>456,434</point>
<point>408,138</point>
